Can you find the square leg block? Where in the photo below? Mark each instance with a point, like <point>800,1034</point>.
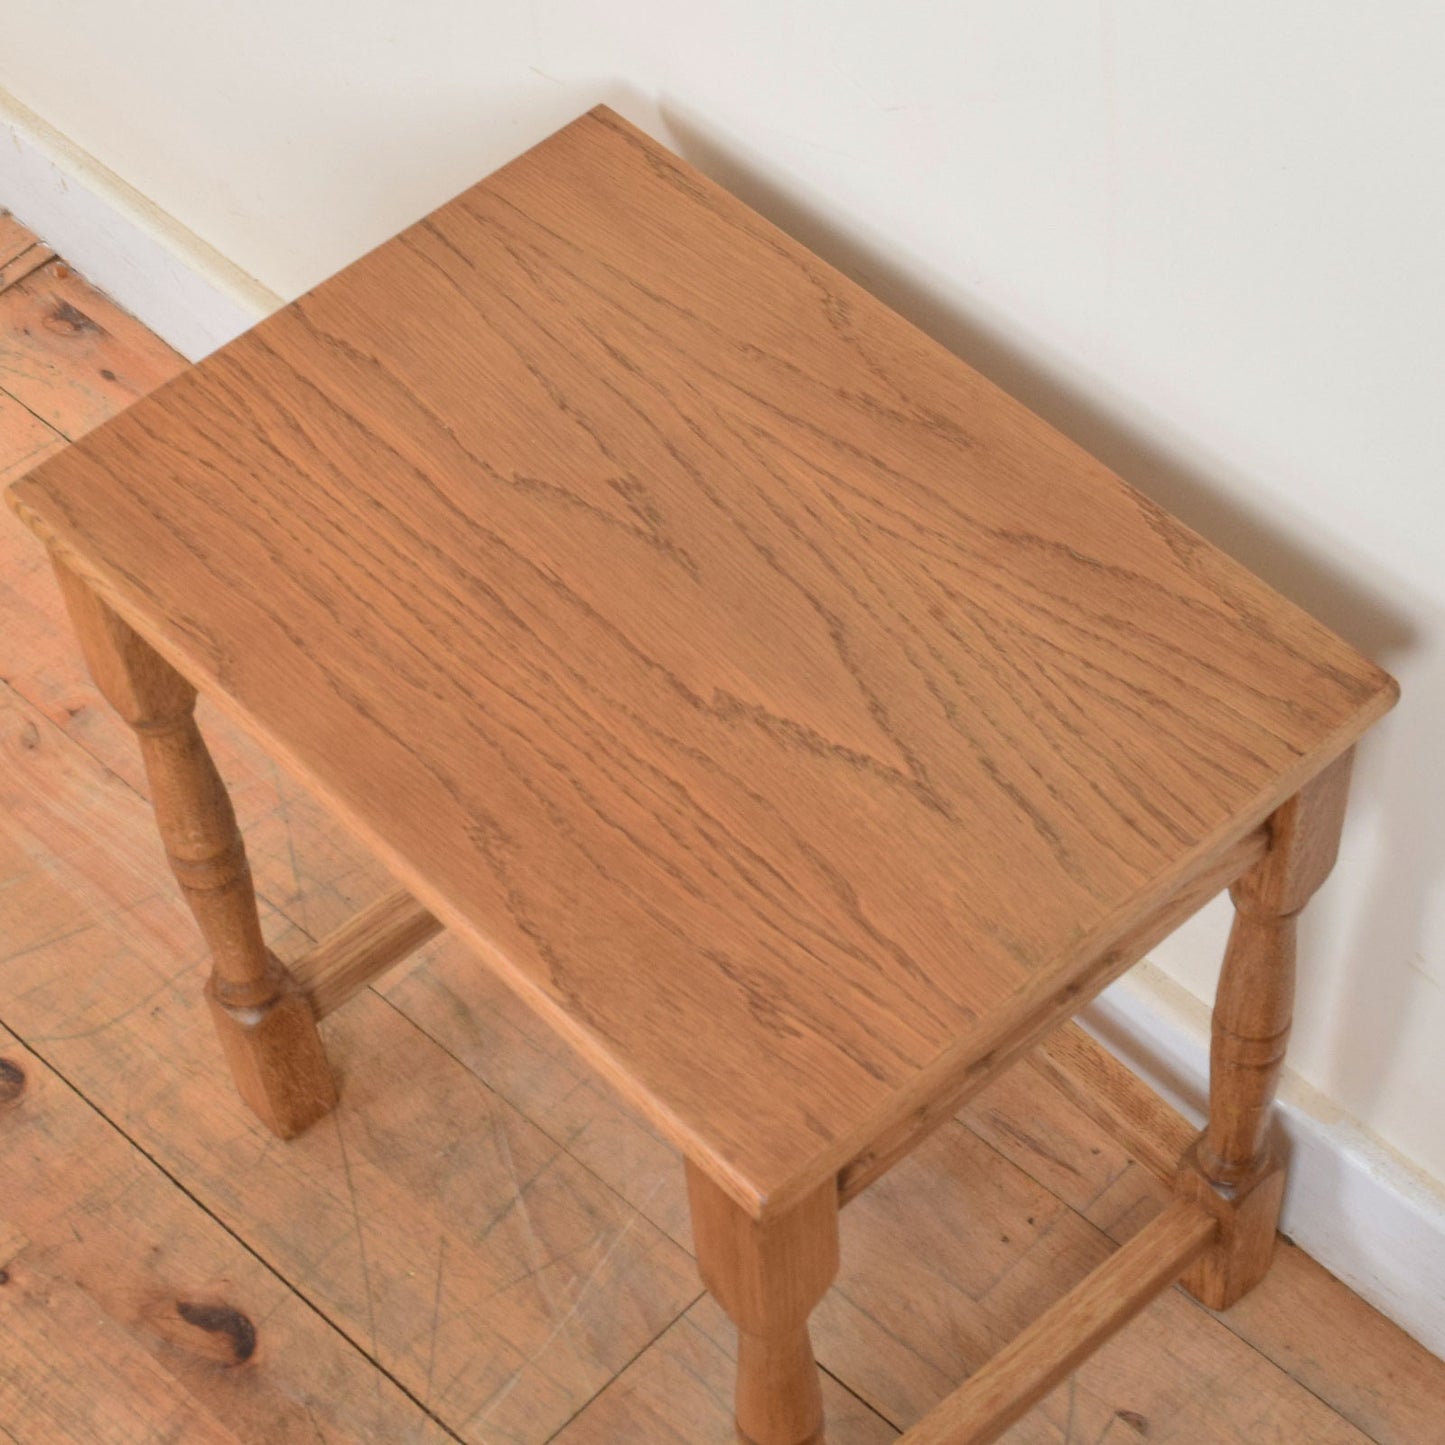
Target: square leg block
<point>1248,1216</point>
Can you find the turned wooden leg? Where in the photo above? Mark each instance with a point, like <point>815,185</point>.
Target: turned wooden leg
<point>266,1025</point>
<point>768,1276</point>
<point>1234,1169</point>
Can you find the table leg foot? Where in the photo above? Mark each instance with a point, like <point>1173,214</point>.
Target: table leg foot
<point>767,1275</point>
<point>1248,1217</point>
<point>276,1058</point>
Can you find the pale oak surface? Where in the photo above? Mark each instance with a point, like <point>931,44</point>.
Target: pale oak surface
<point>956,1253</point>
<point>761,692</point>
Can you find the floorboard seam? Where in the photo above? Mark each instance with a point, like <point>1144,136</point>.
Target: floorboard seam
<point>240,1239</point>
<point>626,1366</point>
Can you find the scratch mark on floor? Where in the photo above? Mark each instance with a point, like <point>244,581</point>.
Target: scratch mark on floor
<point>436,1311</point>
<point>167,985</point>
<point>360,1245</point>
<point>283,810</point>
<point>490,1407</point>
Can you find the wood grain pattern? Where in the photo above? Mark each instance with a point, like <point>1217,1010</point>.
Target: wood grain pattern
<point>723,660</point>
<point>1030,1365</point>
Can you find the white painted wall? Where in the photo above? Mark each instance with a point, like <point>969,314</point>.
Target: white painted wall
<point>1205,240</point>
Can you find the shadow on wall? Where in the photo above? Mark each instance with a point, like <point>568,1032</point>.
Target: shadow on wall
<point>1377,925</point>
<point>368,174</point>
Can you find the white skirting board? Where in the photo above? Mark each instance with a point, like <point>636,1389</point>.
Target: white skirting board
<point>183,289</point>
<point>1352,1204</point>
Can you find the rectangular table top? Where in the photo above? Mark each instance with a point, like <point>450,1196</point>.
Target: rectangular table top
<point>763,693</point>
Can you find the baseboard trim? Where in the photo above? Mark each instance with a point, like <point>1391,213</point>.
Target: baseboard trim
<point>182,288</point>
<point>1353,1203</point>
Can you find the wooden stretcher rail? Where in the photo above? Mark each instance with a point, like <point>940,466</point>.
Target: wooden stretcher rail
<point>363,948</point>
<point>1122,1104</point>
<point>1026,1369</point>
<point>1014,1029</point>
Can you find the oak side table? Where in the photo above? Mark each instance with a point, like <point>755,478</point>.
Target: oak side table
<point>802,727</point>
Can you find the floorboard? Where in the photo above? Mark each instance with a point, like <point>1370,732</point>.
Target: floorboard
<point>131,1315</point>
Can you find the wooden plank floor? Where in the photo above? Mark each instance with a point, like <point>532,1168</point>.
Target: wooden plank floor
<point>483,1244</point>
